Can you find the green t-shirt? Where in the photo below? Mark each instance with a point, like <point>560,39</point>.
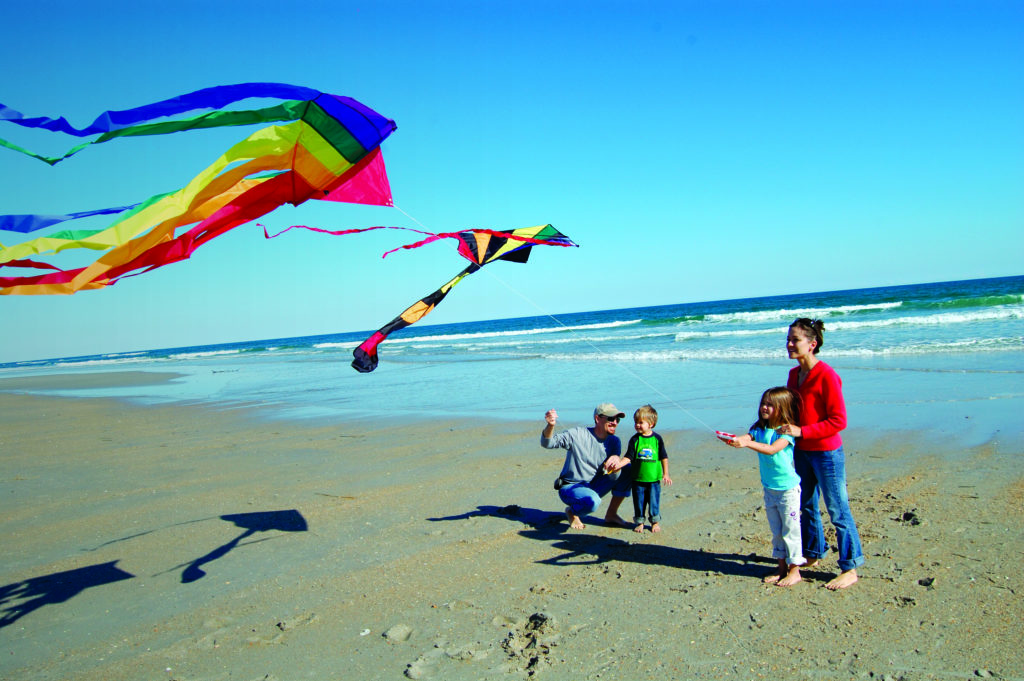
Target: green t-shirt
<point>646,453</point>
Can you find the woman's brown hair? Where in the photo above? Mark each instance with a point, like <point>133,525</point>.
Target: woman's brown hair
<point>814,328</point>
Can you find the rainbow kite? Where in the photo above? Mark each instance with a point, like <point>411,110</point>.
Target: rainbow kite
<point>328,148</point>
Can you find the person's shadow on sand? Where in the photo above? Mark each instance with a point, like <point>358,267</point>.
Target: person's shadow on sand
<point>592,549</point>
<point>265,521</point>
<point>527,516</point>
<point>21,598</point>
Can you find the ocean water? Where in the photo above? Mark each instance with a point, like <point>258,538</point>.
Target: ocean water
<point>945,357</point>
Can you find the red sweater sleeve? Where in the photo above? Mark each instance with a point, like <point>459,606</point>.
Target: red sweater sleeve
<point>822,409</point>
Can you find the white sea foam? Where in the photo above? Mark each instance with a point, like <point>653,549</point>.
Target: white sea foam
<point>691,335</point>
<point>100,361</point>
<point>337,346</point>
<point>936,347</point>
<point>994,314</point>
<point>518,332</point>
<point>790,314</point>
<point>1009,312</point>
<point>1007,344</point>
<point>206,353</point>
<point>519,342</point>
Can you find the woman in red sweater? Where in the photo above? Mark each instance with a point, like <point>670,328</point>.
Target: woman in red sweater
<point>819,457</point>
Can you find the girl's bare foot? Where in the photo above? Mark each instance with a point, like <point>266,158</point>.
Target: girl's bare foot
<point>639,528</point>
<point>656,527</point>
<point>845,579</point>
<point>574,520</point>
<point>792,576</point>
<point>779,573</point>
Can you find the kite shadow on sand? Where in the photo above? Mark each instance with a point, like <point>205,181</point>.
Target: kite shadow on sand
<point>260,521</point>
<point>251,523</point>
<point>21,598</point>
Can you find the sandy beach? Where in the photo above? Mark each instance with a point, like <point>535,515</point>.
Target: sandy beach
<point>190,543</point>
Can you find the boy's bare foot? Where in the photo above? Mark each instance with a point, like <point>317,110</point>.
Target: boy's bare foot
<point>574,520</point>
<point>845,579</point>
<point>616,520</point>
<point>792,577</point>
<point>780,572</point>
<point>639,528</point>
<point>656,527</point>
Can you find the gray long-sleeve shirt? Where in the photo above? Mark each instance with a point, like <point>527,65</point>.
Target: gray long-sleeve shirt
<point>584,452</point>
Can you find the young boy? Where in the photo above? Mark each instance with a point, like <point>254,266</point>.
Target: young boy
<point>647,452</point>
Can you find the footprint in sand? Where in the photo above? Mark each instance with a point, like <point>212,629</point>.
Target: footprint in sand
<point>528,645</point>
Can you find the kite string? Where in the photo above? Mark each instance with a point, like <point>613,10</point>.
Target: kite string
<point>410,217</point>
<point>619,364</point>
<point>579,337</point>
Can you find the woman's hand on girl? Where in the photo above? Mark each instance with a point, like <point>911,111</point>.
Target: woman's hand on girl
<point>789,429</point>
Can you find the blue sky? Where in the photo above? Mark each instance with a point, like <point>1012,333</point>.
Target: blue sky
<point>695,151</point>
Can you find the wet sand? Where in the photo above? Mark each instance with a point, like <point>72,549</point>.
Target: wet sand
<point>195,544</point>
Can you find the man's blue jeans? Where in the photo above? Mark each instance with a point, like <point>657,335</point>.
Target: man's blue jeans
<point>584,497</point>
<point>826,471</point>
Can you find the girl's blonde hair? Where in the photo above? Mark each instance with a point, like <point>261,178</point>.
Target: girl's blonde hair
<point>786,404</point>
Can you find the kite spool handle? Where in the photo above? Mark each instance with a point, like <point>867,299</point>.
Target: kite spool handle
<point>724,437</point>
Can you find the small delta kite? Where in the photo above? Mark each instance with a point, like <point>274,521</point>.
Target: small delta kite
<point>479,246</point>
<point>328,148</point>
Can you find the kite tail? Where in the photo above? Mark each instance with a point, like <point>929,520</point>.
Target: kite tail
<point>366,354</point>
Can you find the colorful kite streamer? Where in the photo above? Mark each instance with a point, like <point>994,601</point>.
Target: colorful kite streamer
<point>327,149</point>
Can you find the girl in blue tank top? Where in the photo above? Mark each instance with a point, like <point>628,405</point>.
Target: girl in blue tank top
<point>779,478</point>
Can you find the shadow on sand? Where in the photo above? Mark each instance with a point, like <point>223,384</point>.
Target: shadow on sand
<point>21,598</point>
<point>251,523</point>
<point>583,548</point>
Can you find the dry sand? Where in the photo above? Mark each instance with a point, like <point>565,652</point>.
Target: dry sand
<point>193,544</point>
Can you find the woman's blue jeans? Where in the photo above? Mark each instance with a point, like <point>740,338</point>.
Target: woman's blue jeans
<point>826,471</point>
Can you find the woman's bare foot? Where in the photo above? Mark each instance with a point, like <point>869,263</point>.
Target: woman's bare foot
<point>845,579</point>
<point>780,572</point>
<point>811,562</point>
<point>574,520</point>
<point>792,576</point>
<point>639,528</point>
<point>656,527</point>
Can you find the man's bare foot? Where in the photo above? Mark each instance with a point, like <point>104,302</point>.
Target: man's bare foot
<point>792,577</point>
<point>616,520</point>
<point>574,520</point>
<point>780,572</point>
<point>845,579</point>
<point>639,528</point>
<point>656,527</point>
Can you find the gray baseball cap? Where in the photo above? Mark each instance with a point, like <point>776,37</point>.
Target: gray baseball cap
<point>609,410</point>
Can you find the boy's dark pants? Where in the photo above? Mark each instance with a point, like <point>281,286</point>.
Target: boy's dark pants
<point>647,496</point>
